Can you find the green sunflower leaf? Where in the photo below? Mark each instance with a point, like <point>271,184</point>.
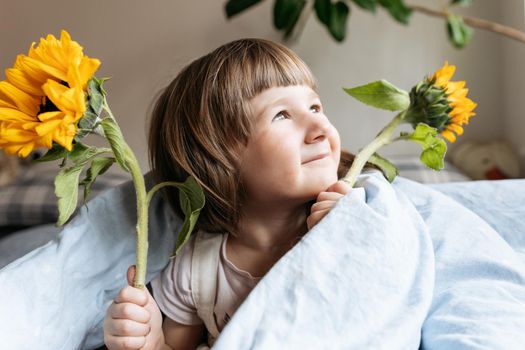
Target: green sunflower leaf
<point>66,189</point>
<point>98,167</point>
<point>388,169</point>
<point>81,154</point>
<point>56,152</point>
<point>458,32</point>
<point>434,147</point>
<point>397,9</point>
<point>234,7</point>
<point>87,124</point>
<point>381,94</point>
<point>95,95</point>
<point>192,200</point>
<point>116,140</point>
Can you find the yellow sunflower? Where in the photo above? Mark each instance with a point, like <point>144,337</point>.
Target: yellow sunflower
<point>44,95</point>
<point>462,106</point>
<point>441,103</point>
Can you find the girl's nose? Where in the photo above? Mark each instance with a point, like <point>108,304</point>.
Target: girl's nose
<point>318,128</point>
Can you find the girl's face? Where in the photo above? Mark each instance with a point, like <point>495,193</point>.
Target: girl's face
<point>294,151</point>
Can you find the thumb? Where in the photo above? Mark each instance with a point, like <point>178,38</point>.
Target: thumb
<point>131,274</point>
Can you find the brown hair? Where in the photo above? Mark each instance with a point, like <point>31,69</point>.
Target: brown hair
<point>202,118</point>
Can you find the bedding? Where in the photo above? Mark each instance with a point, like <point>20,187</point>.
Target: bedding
<point>391,266</point>
<point>31,199</point>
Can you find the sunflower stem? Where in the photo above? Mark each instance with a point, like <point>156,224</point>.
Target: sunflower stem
<point>142,219</point>
<point>383,138</point>
<point>141,259</point>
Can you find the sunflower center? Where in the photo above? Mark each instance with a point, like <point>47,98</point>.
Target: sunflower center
<point>47,106</point>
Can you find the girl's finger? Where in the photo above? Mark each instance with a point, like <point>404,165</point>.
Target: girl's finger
<point>132,295</point>
<point>127,343</point>
<point>128,328</point>
<point>130,311</point>
<point>322,205</point>
<point>330,196</point>
<point>131,274</point>
<point>314,218</point>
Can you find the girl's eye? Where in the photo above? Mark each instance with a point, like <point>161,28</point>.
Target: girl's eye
<point>280,116</point>
<point>315,108</point>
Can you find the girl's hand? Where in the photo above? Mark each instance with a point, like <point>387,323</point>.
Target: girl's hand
<point>326,201</point>
<point>133,320</point>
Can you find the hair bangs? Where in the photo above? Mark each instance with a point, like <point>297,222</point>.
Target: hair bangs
<point>266,66</point>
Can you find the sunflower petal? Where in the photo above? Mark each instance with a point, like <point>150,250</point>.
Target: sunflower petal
<point>23,82</point>
<point>87,69</point>
<point>43,117</point>
<point>25,102</point>
<point>453,86</point>
<point>449,136</point>
<point>14,115</point>
<point>47,127</point>
<point>456,128</point>
<point>13,135</point>
<point>42,69</point>
<point>444,74</point>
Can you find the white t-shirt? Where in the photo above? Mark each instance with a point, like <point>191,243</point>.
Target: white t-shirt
<point>172,287</point>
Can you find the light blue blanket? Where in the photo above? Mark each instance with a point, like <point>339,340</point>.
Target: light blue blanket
<point>390,267</point>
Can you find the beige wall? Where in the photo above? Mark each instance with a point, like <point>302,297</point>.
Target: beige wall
<point>143,44</point>
<point>513,76</point>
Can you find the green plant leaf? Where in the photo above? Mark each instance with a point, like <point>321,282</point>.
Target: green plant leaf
<point>87,124</point>
<point>234,7</point>
<point>192,200</point>
<point>66,190</point>
<point>463,3</point>
<point>56,152</point>
<point>397,10</point>
<point>333,16</point>
<point>81,154</point>
<point>458,32</point>
<point>286,13</point>
<point>95,95</point>
<point>381,94</point>
<point>116,141</point>
<point>434,148</point>
<point>338,17</point>
<point>98,167</point>
<point>368,5</point>
<point>388,169</point>
<point>322,9</point>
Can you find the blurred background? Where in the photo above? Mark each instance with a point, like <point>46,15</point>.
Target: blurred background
<point>144,44</point>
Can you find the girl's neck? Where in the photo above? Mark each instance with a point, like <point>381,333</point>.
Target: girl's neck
<point>272,229</point>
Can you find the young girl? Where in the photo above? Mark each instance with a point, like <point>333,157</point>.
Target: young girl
<point>247,123</point>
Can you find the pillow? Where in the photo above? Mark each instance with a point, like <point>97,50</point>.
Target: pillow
<point>31,199</point>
